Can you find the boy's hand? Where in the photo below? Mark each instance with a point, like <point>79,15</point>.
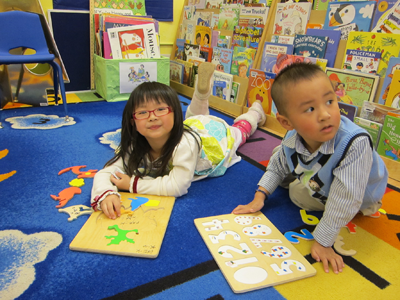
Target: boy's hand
<point>252,207</point>
<point>328,256</point>
<point>122,183</point>
<point>110,206</point>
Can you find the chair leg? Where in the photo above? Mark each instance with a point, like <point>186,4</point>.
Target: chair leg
<point>21,75</point>
<point>58,80</point>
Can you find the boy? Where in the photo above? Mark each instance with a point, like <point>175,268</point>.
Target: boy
<point>337,170</point>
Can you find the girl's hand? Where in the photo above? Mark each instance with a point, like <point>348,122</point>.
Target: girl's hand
<point>111,206</point>
<point>328,256</point>
<point>254,206</point>
<point>123,182</point>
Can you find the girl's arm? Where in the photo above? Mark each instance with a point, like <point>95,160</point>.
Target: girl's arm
<point>178,181</point>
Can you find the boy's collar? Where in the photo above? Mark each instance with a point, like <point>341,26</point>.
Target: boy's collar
<point>296,142</point>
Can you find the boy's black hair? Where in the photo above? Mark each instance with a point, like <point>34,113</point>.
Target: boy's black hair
<point>291,74</point>
<point>133,147</point>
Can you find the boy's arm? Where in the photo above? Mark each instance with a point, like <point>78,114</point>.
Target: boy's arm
<point>346,193</point>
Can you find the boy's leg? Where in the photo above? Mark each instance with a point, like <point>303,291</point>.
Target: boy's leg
<point>247,123</point>
<point>203,88</point>
<point>300,196</point>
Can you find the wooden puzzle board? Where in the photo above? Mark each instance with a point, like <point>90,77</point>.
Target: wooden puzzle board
<point>135,233</point>
<point>251,252</point>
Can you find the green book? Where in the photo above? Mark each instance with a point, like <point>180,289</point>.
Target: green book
<point>373,128</point>
<point>389,142</point>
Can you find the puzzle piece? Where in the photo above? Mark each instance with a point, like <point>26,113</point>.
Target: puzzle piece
<point>116,239</point>
<point>338,247</point>
<point>76,211</point>
<point>308,219</point>
<point>65,195</point>
<point>291,236</point>
<point>351,227</point>
<point>137,202</point>
<point>78,182</point>
<point>77,170</point>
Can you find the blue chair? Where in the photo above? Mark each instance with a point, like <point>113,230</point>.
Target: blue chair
<point>26,30</point>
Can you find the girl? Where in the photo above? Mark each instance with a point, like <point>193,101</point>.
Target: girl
<point>160,154</point>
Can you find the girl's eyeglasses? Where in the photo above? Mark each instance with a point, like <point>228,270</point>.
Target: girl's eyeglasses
<point>158,112</point>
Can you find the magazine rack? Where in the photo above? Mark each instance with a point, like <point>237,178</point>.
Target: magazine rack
<point>271,124</point>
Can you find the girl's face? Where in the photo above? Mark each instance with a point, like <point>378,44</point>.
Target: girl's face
<point>154,129</point>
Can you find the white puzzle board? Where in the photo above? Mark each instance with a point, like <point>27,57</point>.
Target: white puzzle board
<point>139,231</point>
<point>251,252</point>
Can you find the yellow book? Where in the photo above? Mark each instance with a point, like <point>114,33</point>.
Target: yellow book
<point>393,95</point>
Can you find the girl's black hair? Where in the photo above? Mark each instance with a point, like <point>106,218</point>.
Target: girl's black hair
<point>134,147</point>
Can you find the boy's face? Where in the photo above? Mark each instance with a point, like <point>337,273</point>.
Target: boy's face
<point>312,110</point>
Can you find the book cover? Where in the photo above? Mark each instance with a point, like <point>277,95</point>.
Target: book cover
<point>310,45</point>
<point>235,91</point>
<point>127,42</point>
<point>276,48</point>
<point>248,37</point>
<point>176,71</point>
<point>187,73</point>
<point>353,87</point>
<point>320,4</point>
<point>192,50</point>
<point>199,4</point>
<point>282,39</point>
<point>228,17</point>
<point>389,142</point>
<point>291,18</point>
<point>222,59</point>
<point>362,61</point>
<point>253,16</point>
<point>188,12</point>
<point>387,44</point>
<point>219,89</point>
<point>224,41</point>
<point>389,22</point>
<point>214,21</point>
<point>283,60</point>
<point>260,84</point>
<point>206,53</point>
<point>214,3</point>
<point>180,49</point>
<point>373,128</point>
<point>314,26</point>
<point>203,18</point>
<point>394,64</point>
<point>382,8</point>
<point>268,62</point>
<point>113,21</point>
<point>228,79</point>
<point>375,112</point>
<point>348,110</point>
<point>349,16</point>
<point>203,36</point>
<point>333,43</point>
<point>242,61</point>
<point>188,30</point>
<point>393,95</point>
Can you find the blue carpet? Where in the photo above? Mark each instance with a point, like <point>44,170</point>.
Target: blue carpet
<point>38,155</point>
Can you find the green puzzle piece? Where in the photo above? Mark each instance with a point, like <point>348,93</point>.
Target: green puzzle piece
<point>121,235</point>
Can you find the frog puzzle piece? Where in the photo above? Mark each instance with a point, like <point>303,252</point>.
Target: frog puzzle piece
<point>116,239</point>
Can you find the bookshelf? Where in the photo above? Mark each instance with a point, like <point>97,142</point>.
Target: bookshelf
<point>272,125</point>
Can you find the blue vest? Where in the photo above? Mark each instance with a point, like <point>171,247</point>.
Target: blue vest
<point>317,174</point>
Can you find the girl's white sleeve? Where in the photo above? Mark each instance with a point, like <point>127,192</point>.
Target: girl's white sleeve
<point>179,179</point>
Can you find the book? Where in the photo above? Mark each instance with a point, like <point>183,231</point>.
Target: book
<point>276,48</point>
<point>192,50</point>
<point>283,60</point>
<point>387,44</point>
<point>393,96</point>
<point>199,4</point>
<point>310,45</point>
<point>320,4</point>
<point>242,61</point>
<point>373,128</point>
<point>235,92</point>
<point>224,41</point>
<point>282,39</point>
<point>135,41</point>
<point>219,89</point>
<point>375,112</point>
<point>188,78</point>
<point>187,31</point>
<point>253,16</point>
<point>394,64</point>
<point>214,3</point>
<point>382,8</point>
<point>348,110</point>
<point>291,18</point>
<point>176,71</point>
<point>349,16</point>
<point>389,22</point>
<point>333,43</point>
<point>228,79</point>
<point>362,61</point>
<point>203,36</point>
<point>260,84</point>
<point>214,21</point>
<point>268,62</point>
<point>180,49</point>
<point>389,141</point>
<point>248,37</point>
<point>314,26</point>
<point>188,12</point>
<point>222,59</point>
<point>353,87</point>
<point>203,18</point>
<point>206,53</point>
<point>228,17</point>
